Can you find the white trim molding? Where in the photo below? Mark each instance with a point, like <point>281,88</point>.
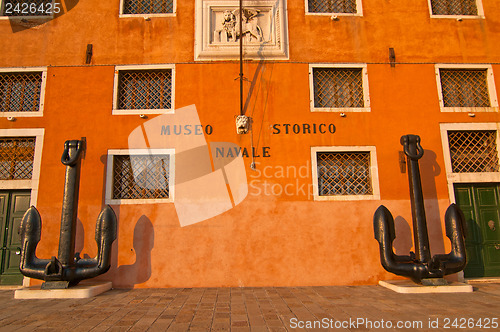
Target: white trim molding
<point>43,71</point>
<point>117,111</point>
<point>334,15</point>
<point>109,175</point>
<point>480,12</point>
<point>147,16</point>
<point>453,178</point>
<point>32,184</point>
<point>492,92</point>
<point>373,172</point>
<point>366,90</point>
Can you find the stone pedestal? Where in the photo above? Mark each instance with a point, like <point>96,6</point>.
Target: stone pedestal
<point>409,287</point>
<point>83,290</point>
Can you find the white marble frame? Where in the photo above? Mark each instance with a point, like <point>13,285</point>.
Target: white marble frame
<point>149,15</point>
<point>480,12</point>
<point>204,50</point>
<point>373,172</point>
<point>359,11</point>
<point>109,176</point>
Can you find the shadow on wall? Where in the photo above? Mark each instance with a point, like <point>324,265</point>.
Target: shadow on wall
<point>21,18</point>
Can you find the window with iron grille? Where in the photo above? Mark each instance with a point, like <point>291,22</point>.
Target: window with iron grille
<point>332,6</point>
<point>20,92</point>
<point>16,158</point>
<point>338,87</point>
<point>473,151</point>
<point>145,89</point>
<point>454,7</point>
<point>148,6</point>
<point>344,173</point>
<point>141,177</point>
<point>464,87</point>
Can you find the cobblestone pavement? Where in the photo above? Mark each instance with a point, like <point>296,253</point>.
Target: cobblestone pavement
<point>254,309</point>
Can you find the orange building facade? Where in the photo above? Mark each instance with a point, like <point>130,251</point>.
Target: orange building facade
<point>329,91</point>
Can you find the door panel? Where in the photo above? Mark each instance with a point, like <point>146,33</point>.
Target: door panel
<point>481,206</point>
<point>16,204</point>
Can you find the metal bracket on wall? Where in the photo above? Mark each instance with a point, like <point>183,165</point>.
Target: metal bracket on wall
<point>392,57</point>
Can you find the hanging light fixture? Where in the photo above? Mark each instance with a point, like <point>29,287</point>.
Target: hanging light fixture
<point>243,122</point>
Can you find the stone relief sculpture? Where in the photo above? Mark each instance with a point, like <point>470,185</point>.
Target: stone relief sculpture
<point>230,31</point>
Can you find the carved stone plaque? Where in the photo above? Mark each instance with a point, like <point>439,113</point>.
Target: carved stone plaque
<point>264,30</point>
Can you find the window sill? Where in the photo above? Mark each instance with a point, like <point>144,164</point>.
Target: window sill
<point>459,17</point>
<point>139,112</point>
<point>347,198</point>
<point>470,109</point>
<point>341,109</point>
<point>334,14</point>
<point>144,16</point>
<point>138,201</point>
<point>15,184</point>
<point>21,114</point>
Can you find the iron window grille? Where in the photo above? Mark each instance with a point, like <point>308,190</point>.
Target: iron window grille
<point>464,87</point>
<point>16,158</point>
<point>20,92</point>
<point>344,173</point>
<point>148,6</point>
<point>338,87</point>
<point>454,7</point>
<point>332,6</point>
<point>145,89</point>
<point>473,151</point>
<point>141,176</point>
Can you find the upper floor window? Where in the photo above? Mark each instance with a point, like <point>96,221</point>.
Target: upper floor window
<point>466,88</point>
<point>144,90</point>
<point>133,7</point>
<point>334,6</point>
<point>339,88</point>
<point>456,7</point>
<point>21,92</point>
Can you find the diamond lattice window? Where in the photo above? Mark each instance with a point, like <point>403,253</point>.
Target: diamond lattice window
<point>454,7</point>
<point>141,176</point>
<point>344,173</point>
<point>145,89</point>
<point>20,92</point>
<point>338,87</point>
<point>464,88</point>
<point>29,8</point>
<point>332,6</point>
<point>148,6</point>
<point>16,158</point>
<point>473,151</point>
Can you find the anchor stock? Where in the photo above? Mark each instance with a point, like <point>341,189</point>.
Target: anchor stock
<point>420,265</point>
<point>67,270</point>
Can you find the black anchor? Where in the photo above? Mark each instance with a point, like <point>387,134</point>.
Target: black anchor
<point>419,266</point>
<point>67,270</point>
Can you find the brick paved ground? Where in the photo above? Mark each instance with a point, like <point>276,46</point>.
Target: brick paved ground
<point>243,309</point>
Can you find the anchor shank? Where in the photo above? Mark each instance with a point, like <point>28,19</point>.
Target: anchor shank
<point>72,159</point>
<point>414,152</point>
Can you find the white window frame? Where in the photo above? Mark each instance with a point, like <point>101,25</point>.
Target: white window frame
<point>109,176</point>
<point>480,12</point>
<point>366,90</point>
<point>453,178</point>
<point>373,172</point>
<point>117,111</point>
<point>43,70</point>
<point>490,81</point>
<point>34,17</point>
<point>146,16</point>
<point>359,11</point>
<point>33,183</point>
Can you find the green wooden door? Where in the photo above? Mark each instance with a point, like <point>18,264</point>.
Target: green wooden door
<point>481,206</point>
<point>13,205</point>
